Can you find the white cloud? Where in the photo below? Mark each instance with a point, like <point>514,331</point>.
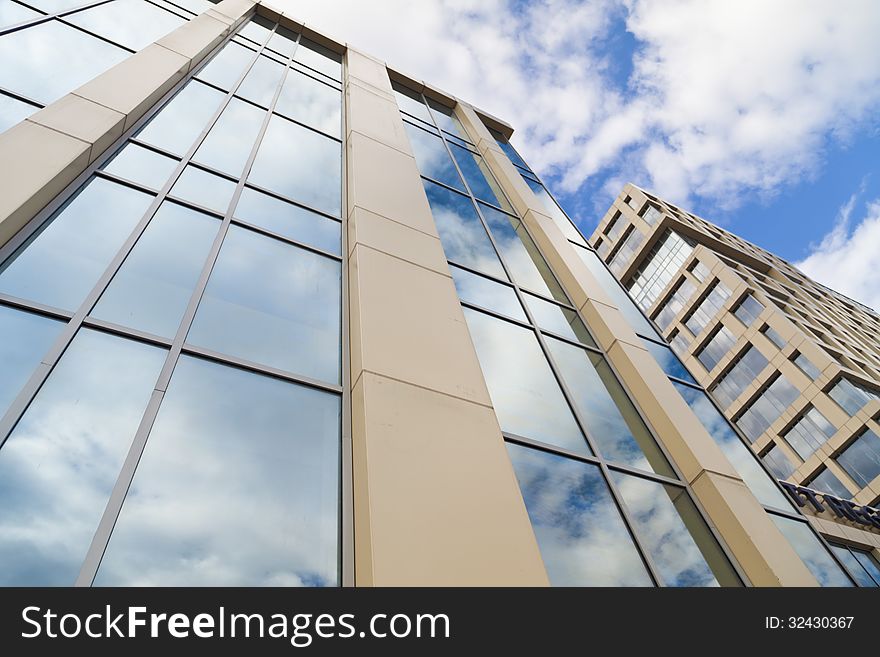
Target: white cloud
<point>849,260</point>
<point>726,98</point>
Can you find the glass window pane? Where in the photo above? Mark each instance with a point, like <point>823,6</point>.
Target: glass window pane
<point>141,165</point>
<point>134,24</point>
<point>45,61</point>
<point>445,119</point>
<point>853,566</point>
<point>229,144</point>
<point>274,304</point>
<point>741,457</point>
<point>289,220</point>
<point>311,102</point>
<point>153,287</point>
<point>283,41</point>
<point>861,459</point>
<point>620,298</point>
<point>555,211</point>
<point>432,157</point>
<point>512,154</point>
<point>12,13</point>
<point>609,416</point>
<point>869,563</point>
<point>257,29</point>
<point>778,462</point>
<point>227,66</point>
<point>411,103</point>
<point>310,173</point>
<point>203,188</point>
<point>63,260</point>
<point>319,58</point>
<point>671,529</point>
<point>525,394</point>
<point>177,124</point>
<point>810,549</point>
<point>827,482</point>
<point>478,177</point>
<point>557,319</point>
<point>60,463</point>
<point>13,111</point>
<point>261,82</point>
<point>668,361</point>
<point>195,6</point>
<point>582,537</point>
<point>462,234</point>
<point>55,6</point>
<point>26,339</point>
<point>526,265</point>
<point>481,291</point>
<point>261,508</point>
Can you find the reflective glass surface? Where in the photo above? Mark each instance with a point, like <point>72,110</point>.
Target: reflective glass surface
<point>289,220</point>
<point>311,102</point>
<point>178,124</point>
<point>237,486</point>
<point>869,563</point>
<point>411,103</point>
<point>861,459</point>
<point>153,287</point>
<point>740,456</point>
<point>681,546</point>
<point>555,211</point>
<point>319,58</point>
<point>283,41</point>
<point>54,6</point>
<point>609,416</point>
<point>134,24</point>
<point>512,155</point>
<point>60,463</point>
<point>462,233</point>
<point>300,164</point>
<point>12,13</point>
<point>813,553</point>
<point>668,361</point>
<point>444,117</point>
<point>227,66</point>
<point>65,258</point>
<point>261,82</point>
<point>228,145</point>
<point>257,29</point>
<point>274,304</point>
<point>827,482</point>
<point>142,165</point>
<point>13,111</point>
<point>26,339</point>
<point>481,291</point>
<point>520,254</point>
<point>432,157</point>
<point>862,577</point>
<point>580,533</point>
<point>479,179</point>
<point>620,298</point>
<point>557,319</point>
<point>203,188</point>
<point>525,394</point>
<point>45,61</point>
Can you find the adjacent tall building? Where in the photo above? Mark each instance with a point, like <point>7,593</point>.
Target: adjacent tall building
<point>273,312</point>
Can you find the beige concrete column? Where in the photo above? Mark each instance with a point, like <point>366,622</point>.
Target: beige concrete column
<point>758,546</point>
<point>436,501</point>
<point>47,151</point>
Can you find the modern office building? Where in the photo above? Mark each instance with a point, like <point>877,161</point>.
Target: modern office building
<point>274,312</point>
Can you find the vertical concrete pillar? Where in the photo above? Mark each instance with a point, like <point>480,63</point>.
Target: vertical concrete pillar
<point>435,498</point>
<point>757,545</point>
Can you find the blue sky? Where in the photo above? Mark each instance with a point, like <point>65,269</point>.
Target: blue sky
<point>760,116</point>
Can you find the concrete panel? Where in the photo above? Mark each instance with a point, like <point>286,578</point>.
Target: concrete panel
<point>396,239</point>
<point>83,119</point>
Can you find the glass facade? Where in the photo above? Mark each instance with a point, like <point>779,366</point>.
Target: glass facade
<point>574,436</point>
<point>659,267</point>
<point>766,408</point>
<point>851,396</point>
<point>704,313</point>
<point>744,370</point>
<point>716,348</point>
<point>861,564</point>
<point>204,254</point>
<point>748,310</point>
<point>49,48</point>
<point>809,432</point>
<point>861,458</point>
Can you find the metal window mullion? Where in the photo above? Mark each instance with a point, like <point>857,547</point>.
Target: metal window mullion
<point>46,17</point>
<point>21,98</point>
<point>9,301</point>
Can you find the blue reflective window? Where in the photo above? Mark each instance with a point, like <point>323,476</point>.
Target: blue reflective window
<point>231,140</point>
<point>141,165</point>
<point>60,463</point>
<point>668,361</point>
<point>432,157</point>
<point>227,66</point>
<point>179,122</point>
<point>238,485</point>
<point>814,555</point>
<point>205,189</point>
<point>313,103</point>
<point>63,260</point>
<point>274,304</point>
